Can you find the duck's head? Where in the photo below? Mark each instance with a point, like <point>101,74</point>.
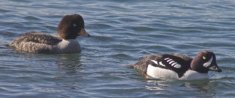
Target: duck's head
<point>205,61</point>
<point>71,26</point>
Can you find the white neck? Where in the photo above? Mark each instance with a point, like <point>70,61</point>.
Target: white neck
<point>65,43</point>
<point>71,45</point>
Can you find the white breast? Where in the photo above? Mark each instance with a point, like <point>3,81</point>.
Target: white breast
<point>157,72</point>
<point>193,75</point>
<point>161,73</point>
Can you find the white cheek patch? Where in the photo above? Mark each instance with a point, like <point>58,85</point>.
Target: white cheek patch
<point>208,63</point>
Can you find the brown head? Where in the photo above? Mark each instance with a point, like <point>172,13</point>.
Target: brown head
<point>205,61</point>
<point>71,26</point>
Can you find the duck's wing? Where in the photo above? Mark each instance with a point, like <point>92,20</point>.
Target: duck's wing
<point>182,56</point>
<point>180,63</point>
<point>176,62</point>
<point>35,42</point>
<point>143,62</point>
<point>37,37</point>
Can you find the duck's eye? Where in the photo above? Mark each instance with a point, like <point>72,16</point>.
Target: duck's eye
<point>204,58</point>
<point>74,25</point>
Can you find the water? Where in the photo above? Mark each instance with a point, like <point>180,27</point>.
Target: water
<point>122,31</point>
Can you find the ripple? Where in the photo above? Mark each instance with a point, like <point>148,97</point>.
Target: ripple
<point>32,18</point>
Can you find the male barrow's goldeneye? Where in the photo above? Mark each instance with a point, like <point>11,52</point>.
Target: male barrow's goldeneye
<point>177,66</point>
<point>68,29</point>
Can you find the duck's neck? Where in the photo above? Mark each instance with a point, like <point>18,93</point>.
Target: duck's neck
<point>69,45</point>
<point>66,42</point>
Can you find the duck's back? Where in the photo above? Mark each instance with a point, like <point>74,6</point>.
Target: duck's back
<point>143,62</point>
<point>35,42</point>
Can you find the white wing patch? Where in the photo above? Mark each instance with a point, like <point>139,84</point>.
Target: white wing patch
<point>154,62</point>
<point>158,63</point>
<point>172,63</point>
<point>208,63</point>
<point>168,60</point>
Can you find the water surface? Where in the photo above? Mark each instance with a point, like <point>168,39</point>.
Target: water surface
<point>122,31</point>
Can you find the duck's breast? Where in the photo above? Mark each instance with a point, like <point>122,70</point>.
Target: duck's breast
<point>193,75</point>
<point>69,46</point>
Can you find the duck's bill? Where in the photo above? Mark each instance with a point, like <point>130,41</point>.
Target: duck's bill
<point>215,68</point>
<point>83,33</point>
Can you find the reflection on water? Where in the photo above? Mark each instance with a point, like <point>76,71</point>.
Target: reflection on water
<point>69,63</point>
<point>162,87</point>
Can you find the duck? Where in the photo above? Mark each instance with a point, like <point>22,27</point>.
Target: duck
<point>177,66</point>
<point>69,28</point>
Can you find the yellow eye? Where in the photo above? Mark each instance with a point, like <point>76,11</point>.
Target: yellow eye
<point>204,58</point>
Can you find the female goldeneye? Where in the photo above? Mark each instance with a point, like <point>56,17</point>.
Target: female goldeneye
<point>177,66</point>
<point>68,29</point>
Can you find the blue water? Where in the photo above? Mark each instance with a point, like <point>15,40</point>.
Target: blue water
<point>122,31</point>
